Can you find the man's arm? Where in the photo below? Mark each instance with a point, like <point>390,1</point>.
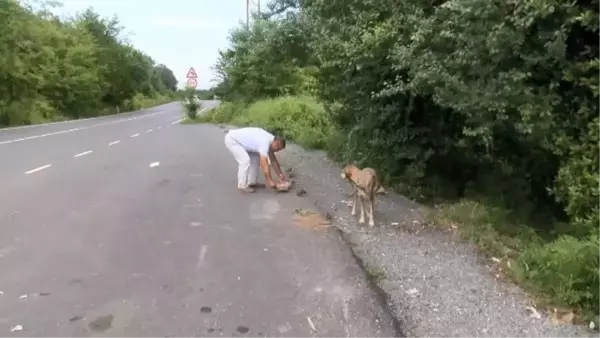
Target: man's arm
<point>264,165</point>
<point>276,166</point>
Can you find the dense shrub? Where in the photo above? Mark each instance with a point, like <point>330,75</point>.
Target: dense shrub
<point>191,109</point>
<point>227,112</point>
<point>300,119</point>
<point>565,269</point>
<point>471,103</point>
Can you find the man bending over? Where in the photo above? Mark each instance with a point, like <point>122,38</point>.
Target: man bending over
<point>252,147</point>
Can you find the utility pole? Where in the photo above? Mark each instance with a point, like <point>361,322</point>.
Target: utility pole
<point>249,10</point>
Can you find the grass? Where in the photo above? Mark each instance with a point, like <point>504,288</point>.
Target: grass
<point>302,120</point>
<point>561,271</point>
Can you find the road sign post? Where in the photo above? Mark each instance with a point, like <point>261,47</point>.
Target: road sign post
<point>191,74</point>
<point>191,78</point>
<point>192,83</point>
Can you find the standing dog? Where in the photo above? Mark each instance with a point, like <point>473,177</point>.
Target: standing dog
<point>365,185</point>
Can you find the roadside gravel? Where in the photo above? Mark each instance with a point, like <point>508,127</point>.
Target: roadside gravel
<point>436,285</point>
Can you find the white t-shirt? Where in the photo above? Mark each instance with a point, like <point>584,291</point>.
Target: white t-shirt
<point>256,140</point>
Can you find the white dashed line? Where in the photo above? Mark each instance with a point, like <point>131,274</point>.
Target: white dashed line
<point>201,255</point>
<point>149,130</point>
<point>42,135</point>
<point>38,169</point>
<point>154,164</point>
<point>114,142</point>
<point>82,120</point>
<point>84,153</point>
<point>159,127</point>
<point>77,129</point>
<point>135,135</point>
<point>175,122</point>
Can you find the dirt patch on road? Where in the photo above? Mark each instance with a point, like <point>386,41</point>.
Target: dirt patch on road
<point>311,220</point>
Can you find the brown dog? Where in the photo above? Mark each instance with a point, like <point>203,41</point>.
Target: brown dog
<point>365,185</point>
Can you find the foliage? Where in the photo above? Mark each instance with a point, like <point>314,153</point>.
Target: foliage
<point>191,109</point>
<point>491,104</point>
<point>301,119</point>
<point>53,69</point>
<point>269,59</point>
<point>575,259</point>
<point>191,102</point>
<point>224,113</point>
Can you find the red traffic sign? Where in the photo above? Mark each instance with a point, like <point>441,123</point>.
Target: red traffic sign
<point>192,83</point>
<point>192,74</point>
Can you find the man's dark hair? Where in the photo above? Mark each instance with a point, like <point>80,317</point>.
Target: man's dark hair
<point>281,140</point>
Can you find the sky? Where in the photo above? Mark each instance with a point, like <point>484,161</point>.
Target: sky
<point>177,33</point>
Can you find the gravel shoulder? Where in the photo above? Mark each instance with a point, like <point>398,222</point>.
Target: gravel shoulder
<point>435,284</point>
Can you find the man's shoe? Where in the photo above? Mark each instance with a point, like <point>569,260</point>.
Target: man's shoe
<point>256,185</point>
<point>247,189</point>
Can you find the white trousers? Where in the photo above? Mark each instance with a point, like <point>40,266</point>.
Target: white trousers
<point>247,162</point>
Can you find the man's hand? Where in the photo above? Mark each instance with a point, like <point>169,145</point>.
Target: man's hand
<point>282,178</point>
<point>264,164</point>
<point>271,184</point>
<point>277,167</point>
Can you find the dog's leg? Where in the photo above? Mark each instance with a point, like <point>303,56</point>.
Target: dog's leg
<point>355,200</point>
<point>371,217</point>
<point>362,210</point>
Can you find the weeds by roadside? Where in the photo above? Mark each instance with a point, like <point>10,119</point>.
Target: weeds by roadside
<point>300,119</point>
<point>560,272</point>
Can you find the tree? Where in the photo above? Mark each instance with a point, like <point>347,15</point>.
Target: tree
<point>54,69</point>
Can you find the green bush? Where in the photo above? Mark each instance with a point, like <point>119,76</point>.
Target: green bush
<point>489,107</point>
<point>301,119</point>
<point>141,101</point>
<point>191,109</point>
<point>227,112</point>
<point>566,271</point>
<point>28,111</point>
<point>224,113</point>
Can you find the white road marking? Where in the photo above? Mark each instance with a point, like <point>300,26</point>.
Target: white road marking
<point>154,164</point>
<point>149,130</point>
<point>195,224</point>
<point>175,122</point>
<point>135,135</point>
<point>114,142</point>
<point>196,205</point>
<point>84,153</point>
<point>4,252</point>
<point>86,119</point>
<point>38,169</point>
<point>76,129</point>
<point>310,322</point>
<point>159,127</point>
<point>202,255</point>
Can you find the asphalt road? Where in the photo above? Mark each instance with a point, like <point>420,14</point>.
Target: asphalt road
<point>132,225</point>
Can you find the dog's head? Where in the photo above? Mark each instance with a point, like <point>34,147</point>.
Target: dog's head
<point>348,171</point>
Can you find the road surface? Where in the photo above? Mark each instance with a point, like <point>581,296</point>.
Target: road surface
<point>131,225</point>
